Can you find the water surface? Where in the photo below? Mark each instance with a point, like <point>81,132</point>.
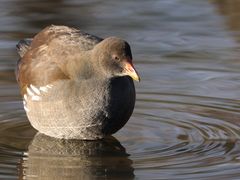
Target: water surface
<point>186,120</point>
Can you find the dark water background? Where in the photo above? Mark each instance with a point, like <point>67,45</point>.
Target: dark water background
<point>186,124</point>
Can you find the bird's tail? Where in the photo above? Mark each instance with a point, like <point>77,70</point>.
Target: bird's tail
<point>23,46</point>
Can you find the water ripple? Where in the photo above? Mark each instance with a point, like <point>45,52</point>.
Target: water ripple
<point>179,136</point>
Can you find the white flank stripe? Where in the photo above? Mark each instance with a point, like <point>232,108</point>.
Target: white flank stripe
<point>35,89</point>
<point>49,86</point>
<point>36,98</point>
<point>25,97</point>
<point>26,109</point>
<point>44,89</point>
<point>24,103</point>
<point>30,92</point>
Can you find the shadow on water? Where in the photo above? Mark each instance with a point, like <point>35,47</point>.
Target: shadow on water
<point>50,158</point>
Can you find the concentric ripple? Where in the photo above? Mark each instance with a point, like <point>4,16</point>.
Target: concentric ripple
<point>172,137</point>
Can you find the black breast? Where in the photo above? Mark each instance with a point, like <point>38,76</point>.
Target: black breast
<point>121,103</point>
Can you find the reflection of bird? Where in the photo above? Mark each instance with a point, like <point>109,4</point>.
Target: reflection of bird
<point>75,85</point>
<point>51,158</point>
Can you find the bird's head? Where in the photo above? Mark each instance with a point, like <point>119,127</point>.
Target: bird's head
<point>114,58</point>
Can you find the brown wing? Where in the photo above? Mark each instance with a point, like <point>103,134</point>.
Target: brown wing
<point>49,50</point>
<point>37,68</point>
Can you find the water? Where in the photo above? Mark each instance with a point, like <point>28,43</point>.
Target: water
<point>186,123</point>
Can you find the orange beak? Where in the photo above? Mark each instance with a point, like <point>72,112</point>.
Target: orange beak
<point>131,71</point>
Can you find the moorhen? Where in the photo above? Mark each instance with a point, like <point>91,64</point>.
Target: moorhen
<point>76,85</point>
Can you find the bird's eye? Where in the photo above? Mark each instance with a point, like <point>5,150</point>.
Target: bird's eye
<point>116,58</point>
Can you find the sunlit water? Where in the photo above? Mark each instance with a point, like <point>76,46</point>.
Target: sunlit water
<point>186,120</point>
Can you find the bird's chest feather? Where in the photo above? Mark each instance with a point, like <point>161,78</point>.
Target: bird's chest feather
<point>86,102</point>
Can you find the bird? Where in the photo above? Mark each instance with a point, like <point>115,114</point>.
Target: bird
<point>76,85</point>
